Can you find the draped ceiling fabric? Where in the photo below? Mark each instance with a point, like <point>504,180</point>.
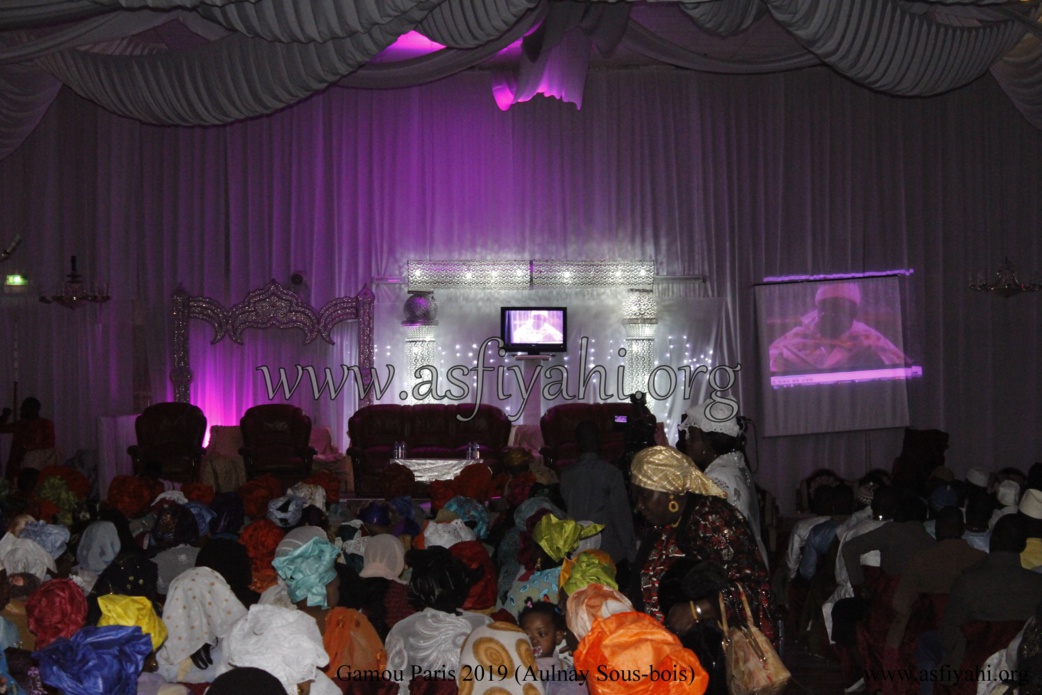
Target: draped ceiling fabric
<point>728,158</point>
<point>254,57</point>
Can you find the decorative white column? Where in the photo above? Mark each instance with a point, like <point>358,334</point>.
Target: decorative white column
<point>421,313</point>
<point>640,312</point>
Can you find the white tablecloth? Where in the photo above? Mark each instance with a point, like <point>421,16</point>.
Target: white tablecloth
<point>428,470</point>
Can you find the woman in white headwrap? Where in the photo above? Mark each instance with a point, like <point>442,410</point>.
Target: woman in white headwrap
<point>431,640</point>
<point>199,613</point>
<point>284,642</point>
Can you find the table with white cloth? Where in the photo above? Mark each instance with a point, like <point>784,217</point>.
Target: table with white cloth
<point>429,470</point>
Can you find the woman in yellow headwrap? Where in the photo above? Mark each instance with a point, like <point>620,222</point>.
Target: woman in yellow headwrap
<point>704,540</point>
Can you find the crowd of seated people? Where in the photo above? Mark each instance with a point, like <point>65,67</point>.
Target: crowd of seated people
<point>524,583</point>
<point>596,581</point>
<point>937,589</point>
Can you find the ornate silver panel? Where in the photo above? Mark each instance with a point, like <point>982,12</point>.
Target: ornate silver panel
<point>272,306</point>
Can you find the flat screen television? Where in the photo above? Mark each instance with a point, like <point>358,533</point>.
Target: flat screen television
<point>534,329</point>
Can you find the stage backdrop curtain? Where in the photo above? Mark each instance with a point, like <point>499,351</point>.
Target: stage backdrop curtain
<point>731,177</point>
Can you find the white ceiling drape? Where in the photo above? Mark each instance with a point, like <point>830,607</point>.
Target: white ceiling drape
<point>239,59</point>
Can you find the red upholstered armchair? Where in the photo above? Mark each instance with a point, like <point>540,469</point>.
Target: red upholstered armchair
<point>275,440</point>
<point>169,441</point>
<point>558,424</point>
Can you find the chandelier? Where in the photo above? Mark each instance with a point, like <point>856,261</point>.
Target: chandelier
<point>74,291</point>
<point>1006,283</point>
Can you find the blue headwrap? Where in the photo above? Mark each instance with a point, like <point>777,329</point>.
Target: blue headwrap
<point>376,512</point>
<point>307,570</point>
<point>9,637</point>
<point>5,672</point>
<point>203,516</point>
<point>286,511</point>
<point>472,512</point>
<point>96,660</point>
<point>50,537</point>
<point>406,525</point>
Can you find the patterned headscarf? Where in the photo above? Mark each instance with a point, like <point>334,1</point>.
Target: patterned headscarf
<point>286,511</point>
<point>664,469</point>
<point>541,586</point>
<point>447,533</point>
<point>307,571</point>
<point>471,511</point>
<point>131,611</point>
<point>496,649</point>
<point>430,640</point>
<point>174,526</point>
<point>284,642</point>
<point>314,495</point>
<point>96,660</point>
<point>56,609</point>
<point>200,609</point>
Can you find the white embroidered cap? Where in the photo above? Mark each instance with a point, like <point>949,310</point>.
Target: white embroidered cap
<point>714,416</point>
<point>1031,503</point>
<point>977,476</point>
<point>1007,493</point>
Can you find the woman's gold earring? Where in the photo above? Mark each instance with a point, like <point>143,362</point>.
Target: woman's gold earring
<point>673,506</point>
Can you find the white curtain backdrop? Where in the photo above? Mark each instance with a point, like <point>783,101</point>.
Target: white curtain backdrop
<point>731,177</point>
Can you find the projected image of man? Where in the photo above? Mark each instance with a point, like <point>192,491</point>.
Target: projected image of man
<point>537,330</point>
<point>830,338</point>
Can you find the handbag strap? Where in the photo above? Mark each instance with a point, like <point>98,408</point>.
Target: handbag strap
<point>745,604</point>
